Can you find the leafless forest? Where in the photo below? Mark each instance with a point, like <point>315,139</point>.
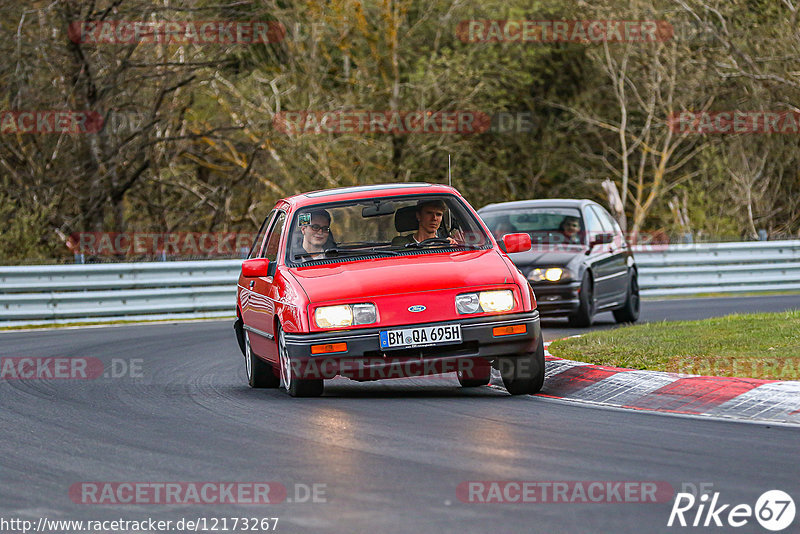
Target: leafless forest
<point>187,136</point>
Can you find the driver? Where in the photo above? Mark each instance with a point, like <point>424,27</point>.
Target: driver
<point>429,216</point>
<point>570,228</point>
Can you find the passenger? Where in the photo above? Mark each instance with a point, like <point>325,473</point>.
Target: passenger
<point>429,217</point>
<point>316,235</point>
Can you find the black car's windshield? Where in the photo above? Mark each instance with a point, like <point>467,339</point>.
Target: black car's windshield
<point>387,226</point>
<point>546,226</point>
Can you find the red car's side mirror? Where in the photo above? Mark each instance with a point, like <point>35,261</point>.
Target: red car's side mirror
<point>517,242</point>
<point>255,268</point>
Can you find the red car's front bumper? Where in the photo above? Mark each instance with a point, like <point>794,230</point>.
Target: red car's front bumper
<point>364,359</point>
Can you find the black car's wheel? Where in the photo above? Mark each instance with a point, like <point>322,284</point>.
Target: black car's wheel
<point>524,375</point>
<point>294,385</point>
<point>478,374</point>
<point>629,312</point>
<point>585,314</point>
<point>260,374</point>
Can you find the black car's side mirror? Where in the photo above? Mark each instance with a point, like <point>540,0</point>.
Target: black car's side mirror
<point>600,239</point>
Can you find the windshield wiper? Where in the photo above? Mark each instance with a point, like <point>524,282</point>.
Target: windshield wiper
<point>434,241</point>
<point>346,252</point>
<point>429,242</point>
<point>382,251</point>
<point>368,247</point>
<point>361,244</point>
<point>326,252</point>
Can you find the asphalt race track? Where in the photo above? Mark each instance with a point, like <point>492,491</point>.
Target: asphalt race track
<point>385,457</point>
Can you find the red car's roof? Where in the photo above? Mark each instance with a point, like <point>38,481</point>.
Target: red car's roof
<point>367,191</point>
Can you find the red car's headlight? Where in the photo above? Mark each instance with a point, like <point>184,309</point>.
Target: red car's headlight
<point>486,301</point>
<point>345,315</point>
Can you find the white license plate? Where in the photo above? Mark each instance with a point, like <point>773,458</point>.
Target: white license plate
<point>421,336</point>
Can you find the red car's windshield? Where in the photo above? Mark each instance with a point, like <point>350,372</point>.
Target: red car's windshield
<point>385,226</point>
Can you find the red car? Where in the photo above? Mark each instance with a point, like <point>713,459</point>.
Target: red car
<point>385,281</point>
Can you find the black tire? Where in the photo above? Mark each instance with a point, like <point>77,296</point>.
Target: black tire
<point>478,375</point>
<point>524,375</point>
<point>238,327</point>
<point>629,312</point>
<point>260,374</point>
<point>296,387</point>
<point>586,309</point>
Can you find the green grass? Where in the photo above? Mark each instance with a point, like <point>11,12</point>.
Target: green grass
<point>759,345</point>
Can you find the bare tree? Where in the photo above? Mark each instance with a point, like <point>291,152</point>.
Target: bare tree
<point>648,82</point>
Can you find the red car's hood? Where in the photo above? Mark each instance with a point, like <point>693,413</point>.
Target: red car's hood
<point>396,275</point>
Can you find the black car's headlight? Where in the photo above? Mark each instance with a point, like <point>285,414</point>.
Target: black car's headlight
<point>550,274</point>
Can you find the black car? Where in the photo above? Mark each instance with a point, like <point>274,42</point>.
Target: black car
<point>580,263</point>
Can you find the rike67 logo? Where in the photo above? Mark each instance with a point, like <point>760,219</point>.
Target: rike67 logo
<point>774,510</point>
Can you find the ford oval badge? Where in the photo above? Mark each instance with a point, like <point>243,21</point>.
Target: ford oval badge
<point>416,308</point>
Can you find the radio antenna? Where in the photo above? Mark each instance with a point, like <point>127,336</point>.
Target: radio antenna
<point>450,183</point>
<point>449,175</point>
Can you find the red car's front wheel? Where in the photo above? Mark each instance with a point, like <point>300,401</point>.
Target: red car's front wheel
<point>524,375</point>
<point>479,374</point>
<point>294,384</point>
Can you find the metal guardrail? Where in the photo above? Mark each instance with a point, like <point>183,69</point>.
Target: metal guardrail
<point>60,294</point>
<point>202,289</point>
<point>719,268</point>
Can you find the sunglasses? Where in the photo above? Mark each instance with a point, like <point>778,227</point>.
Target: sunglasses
<point>318,228</point>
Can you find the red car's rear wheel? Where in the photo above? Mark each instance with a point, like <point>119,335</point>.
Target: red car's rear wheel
<point>260,374</point>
